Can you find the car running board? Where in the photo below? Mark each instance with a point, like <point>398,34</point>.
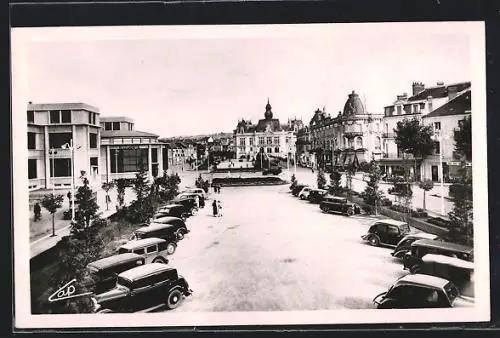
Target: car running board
<point>151,308</point>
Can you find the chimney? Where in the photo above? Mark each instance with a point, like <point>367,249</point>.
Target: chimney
<point>452,93</point>
<point>440,83</point>
<point>417,87</point>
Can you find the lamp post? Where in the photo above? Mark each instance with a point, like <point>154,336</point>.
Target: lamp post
<point>52,153</point>
<point>71,147</point>
<point>209,142</point>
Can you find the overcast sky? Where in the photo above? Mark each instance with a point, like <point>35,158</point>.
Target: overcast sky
<point>192,86</point>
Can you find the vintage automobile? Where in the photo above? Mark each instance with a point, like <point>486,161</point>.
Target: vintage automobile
<point>421,291</point>
<point>153,250</point>
<point>404,244</point>
<point>179,226</point>
<point>198,191</point>
<point>304,193</point>
<point>316,195</point>
<point>386,232</point>
<point>189,203</point>
<point>169,232</point>
<point>272,171</point>
<point>423,247</point>
<point>339,205</point>
<point>457,270</point>
<point>297,189</point>
<point>144,289</point>
<point>173,210</point>
<point>101,274</point>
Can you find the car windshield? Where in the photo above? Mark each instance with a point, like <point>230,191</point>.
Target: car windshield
<point>452,291</point>
<point>139,235</point>
<point>122,250</point>
<point>122,282</point>
<point>405,228</point>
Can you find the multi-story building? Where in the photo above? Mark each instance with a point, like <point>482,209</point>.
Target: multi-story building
<point>422,102</point>
<point>104,148</point>
<point>51,129</point>
<point>354,135</point>
<point>303,146</point>
<point>276,139</point>
<point>445,120</point>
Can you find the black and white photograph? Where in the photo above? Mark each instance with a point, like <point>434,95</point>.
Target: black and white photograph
<point>250,175</point>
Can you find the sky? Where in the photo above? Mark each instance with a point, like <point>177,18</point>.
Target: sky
<point>205,83</point>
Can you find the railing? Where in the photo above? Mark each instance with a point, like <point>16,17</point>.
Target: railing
<point>353,133</point>
<point>388,135</point>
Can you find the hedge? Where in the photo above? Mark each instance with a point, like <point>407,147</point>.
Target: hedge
<point>233,181</point>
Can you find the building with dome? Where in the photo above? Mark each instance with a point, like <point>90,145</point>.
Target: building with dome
<point>354,135</point>
<point>276,139</point>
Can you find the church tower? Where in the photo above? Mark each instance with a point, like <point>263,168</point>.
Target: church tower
<point>268,114</point>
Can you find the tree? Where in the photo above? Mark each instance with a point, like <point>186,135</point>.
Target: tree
<point>86,207</point>
<point>335,187</point>
<point>293,182</point>
<point>463,139</point>
<point>107,186</point>
<point>140,184</point>
<point>426,185</point>
<point>413,138</point>
<point>51,203</point>
<point>372,195</point>
<point>121,184</point>
<point>321,180</point>
<point>349,172</point>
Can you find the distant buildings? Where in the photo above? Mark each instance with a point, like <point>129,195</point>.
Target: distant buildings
<point>276,139</point>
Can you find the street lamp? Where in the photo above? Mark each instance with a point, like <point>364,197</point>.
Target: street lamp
<point>52,153</point>
<point>71,147</point>
<point>209,142</point>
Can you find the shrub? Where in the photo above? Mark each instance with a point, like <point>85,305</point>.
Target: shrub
<point>439,222</point>
<point>419,213</point>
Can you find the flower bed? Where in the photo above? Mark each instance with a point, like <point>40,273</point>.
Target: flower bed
<point>247,181</point>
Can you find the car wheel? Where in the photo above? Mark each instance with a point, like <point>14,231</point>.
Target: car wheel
<point>105,311</point>
<point>171,248</point>
<point>301,197</point>
<point>374,241</point>
<point>323,208</point>
<point>174,299</point>
<point>350,211</point>
<point>194,211</point>
<point>160,260</point>
<point>179,234</point>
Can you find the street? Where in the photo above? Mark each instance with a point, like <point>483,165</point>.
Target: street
<point>273,252</point>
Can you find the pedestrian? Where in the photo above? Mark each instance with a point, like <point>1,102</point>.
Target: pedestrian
<point>218,189</point>
<point>202,202</point>
<point>214,207</point>
<point>37,210</point>
<point>197,201</point>
<point>219,208</point>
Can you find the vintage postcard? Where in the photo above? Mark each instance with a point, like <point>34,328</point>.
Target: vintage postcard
<point>250,175</point>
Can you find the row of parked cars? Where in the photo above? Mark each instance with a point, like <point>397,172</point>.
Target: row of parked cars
<point>138,278</point>
<point>441,273</point>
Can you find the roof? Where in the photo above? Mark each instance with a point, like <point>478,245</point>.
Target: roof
<point>421,235</point>
<point>439,91</point>
<point>154,226</point>
<point>131,245</point>
<point>332,197</point>
<point>444,245</point>
<point>457,106</point>
<point>116,119</point>
<point>353,105</point>
<point>391,222</point>
<point>114,260</point>
<point>62,106</point>
<point>457,262</point>
<point>272,124</point>
<point>422,279</point>
<point>144,270</point>
<point>126,133</point>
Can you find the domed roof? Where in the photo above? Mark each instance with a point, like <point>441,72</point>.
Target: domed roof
<point>353,105</point>
<point>268,114</point>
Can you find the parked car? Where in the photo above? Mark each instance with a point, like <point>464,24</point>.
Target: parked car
<point>272,171</point>
<point>316,195</point>
<point>169,232</point>
<point>304,193</point>
<point>189,203</point>
<point>421,291</point>
<point>179,226</point>
<point>193,196</point>
<point>386,232</point>
<point>198,191</point>
<point>153,250</point>
<point>144,289</point>
<point>422,247</point>
<point>457,270</point>
<point>297,189</point>
<point>173,210</point>
<point>404,244</point>
<point>103,272</point>
<point>339,205</point>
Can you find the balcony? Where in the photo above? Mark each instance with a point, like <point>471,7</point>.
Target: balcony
<point>350,134</point>
<point>388,135</point>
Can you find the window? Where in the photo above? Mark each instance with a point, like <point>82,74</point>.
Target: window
<point>269,149</point>
<point>381,227</point>
<point>128,160</point>
<point>391,229</point>
<point>116,125</point>
<point>269,140</point>
<point>31,116</point>
<point>143,282</point>
<point>56,140</point>
<point>94,118</point>
<point>90,118</point>
<point>150,249</point>
<point>251,141</point>
<point>66,116</point>
<point>261,140</point>
<point>242,141</point>
<point>276,140</point>
<point>164,156</point>
<point>93,140</point>
<point>437,145</point>
<point>54,116</point>
<point>108,126</point>
<point>136,140</point>
<point>31,141</point>
<point>93,161</point>
<point>277,149</point>
<point>398,108</point>
<point>437,125</point>
<point>377,142</point>
<point>154,155</point>
<point>359,142</point>
<point>162,246</point>
<point>139,251</point>
<point>130,126</point>
<point>31,168</point>
<point>60,167</point>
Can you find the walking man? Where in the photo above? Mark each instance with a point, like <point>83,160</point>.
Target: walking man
<point>219,209</point>
<point>37,210</point>
<point>214,207</point>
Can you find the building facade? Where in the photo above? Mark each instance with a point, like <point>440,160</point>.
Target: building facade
<point>104,148</point>
<point>422,102</point>
<point>353,136</point>
<point>276,139</point>
<point>303,145</point>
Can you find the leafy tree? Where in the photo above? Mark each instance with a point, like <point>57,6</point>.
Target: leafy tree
<point>293,182</point>
<point>121,184</point>
<point>86,207</point>
<point>51,203</point>
<point>426,185</point>
<point>372,195</point>
<point>414,138</point>
<point>335,187</point>
<point>321,180</point>
<point>463,139</point>
<point>107,186</point>
<point>141,184</point>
